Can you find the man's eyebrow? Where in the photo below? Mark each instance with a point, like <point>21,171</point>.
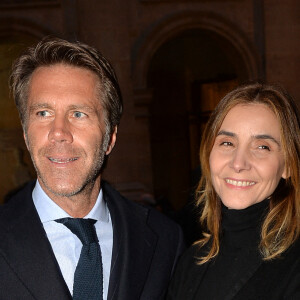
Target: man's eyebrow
<point>38,106</point>
<point>79,107</point>
<point>227,133</point>
<point>267,137</point>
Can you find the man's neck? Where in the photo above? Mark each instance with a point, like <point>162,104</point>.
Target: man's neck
<point>78,205</point>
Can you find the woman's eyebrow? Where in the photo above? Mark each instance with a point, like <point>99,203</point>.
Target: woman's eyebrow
<point>267,137</point>
<point>227,133</point>
<point>257,137</point>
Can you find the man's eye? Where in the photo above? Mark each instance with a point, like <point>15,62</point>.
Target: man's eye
<point>78,114</point>
<point>43,113</point>
<point>264,147</point>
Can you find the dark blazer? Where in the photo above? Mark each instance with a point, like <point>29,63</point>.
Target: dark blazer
<point>263,280</point>
<point>146,246</point>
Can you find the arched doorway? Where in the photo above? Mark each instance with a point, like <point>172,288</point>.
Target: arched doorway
<point>188,75</point>
<point>15,161</point>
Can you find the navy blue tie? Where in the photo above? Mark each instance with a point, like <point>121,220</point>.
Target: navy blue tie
<point>88,277</point>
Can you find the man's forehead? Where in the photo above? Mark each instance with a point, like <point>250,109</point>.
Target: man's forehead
<point>64,85</point>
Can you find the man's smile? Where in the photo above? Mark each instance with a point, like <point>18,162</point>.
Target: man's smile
<point>62,160</point>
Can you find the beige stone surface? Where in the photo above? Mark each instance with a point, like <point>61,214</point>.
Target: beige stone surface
<point>155,47</point>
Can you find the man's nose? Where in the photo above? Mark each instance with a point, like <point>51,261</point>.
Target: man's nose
<point>60,130</point>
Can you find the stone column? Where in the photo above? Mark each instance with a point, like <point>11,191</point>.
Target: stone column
<point>134,190</point>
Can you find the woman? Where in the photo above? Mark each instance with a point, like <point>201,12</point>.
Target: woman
<point>250,199</point>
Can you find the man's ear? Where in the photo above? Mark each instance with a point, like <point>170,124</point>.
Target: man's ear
<point>112,140</point>
<point>25,139</point>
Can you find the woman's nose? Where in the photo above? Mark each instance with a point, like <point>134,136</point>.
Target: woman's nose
<point>240,160</point>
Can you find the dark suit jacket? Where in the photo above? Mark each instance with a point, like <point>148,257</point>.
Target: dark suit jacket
<point>277,279</point>
<point>146,246</point>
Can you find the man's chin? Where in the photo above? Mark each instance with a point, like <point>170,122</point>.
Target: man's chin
<point>65,192</point>
<point>61,190</point>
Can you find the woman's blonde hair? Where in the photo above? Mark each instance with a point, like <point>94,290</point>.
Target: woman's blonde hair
<point>281,226</point>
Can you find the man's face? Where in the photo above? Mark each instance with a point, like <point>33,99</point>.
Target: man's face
<point>65,129</point>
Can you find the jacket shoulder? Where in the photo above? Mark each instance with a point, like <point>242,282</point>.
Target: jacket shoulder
<point>17,203</point>
<point>153,218</point>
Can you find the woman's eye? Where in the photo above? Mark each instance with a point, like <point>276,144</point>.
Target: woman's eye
<point>227,144</point>
<point>43,113</point>
<point>264,147</point>
<point>78,114</point>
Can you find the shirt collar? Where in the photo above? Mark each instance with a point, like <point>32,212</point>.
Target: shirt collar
<point>48,210</point>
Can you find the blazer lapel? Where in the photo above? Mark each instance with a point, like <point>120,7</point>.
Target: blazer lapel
<point>133,247</point>
<point>25,247</point>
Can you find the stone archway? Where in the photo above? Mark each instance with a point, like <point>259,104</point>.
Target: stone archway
<point>171,26</point>
<point>17,26</point>
<point>171,168</point>
<point>15,161</point>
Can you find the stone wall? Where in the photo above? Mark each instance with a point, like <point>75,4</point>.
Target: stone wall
<point>262,37</point>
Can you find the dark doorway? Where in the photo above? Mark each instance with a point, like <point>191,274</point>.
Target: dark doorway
<point>15,163</point>
<point>188,74</point>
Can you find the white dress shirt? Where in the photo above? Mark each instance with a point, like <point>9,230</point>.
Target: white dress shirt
<point>65,244</point>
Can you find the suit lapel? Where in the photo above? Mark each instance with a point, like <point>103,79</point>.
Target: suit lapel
<point>25,247</point>
<point>133,247</point>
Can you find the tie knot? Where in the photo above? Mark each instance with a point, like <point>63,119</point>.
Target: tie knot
<point>83,228</point>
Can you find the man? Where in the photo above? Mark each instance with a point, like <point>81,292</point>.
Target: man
<point>70,106</point>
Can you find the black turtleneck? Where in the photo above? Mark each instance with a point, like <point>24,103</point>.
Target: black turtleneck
<point>239,242</point>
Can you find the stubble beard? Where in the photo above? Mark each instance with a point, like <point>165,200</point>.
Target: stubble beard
<point>87,183</point>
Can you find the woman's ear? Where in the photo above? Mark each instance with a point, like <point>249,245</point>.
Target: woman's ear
<point>285,173</point>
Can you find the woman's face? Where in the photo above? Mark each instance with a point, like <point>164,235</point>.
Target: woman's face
<point>247,160</point>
